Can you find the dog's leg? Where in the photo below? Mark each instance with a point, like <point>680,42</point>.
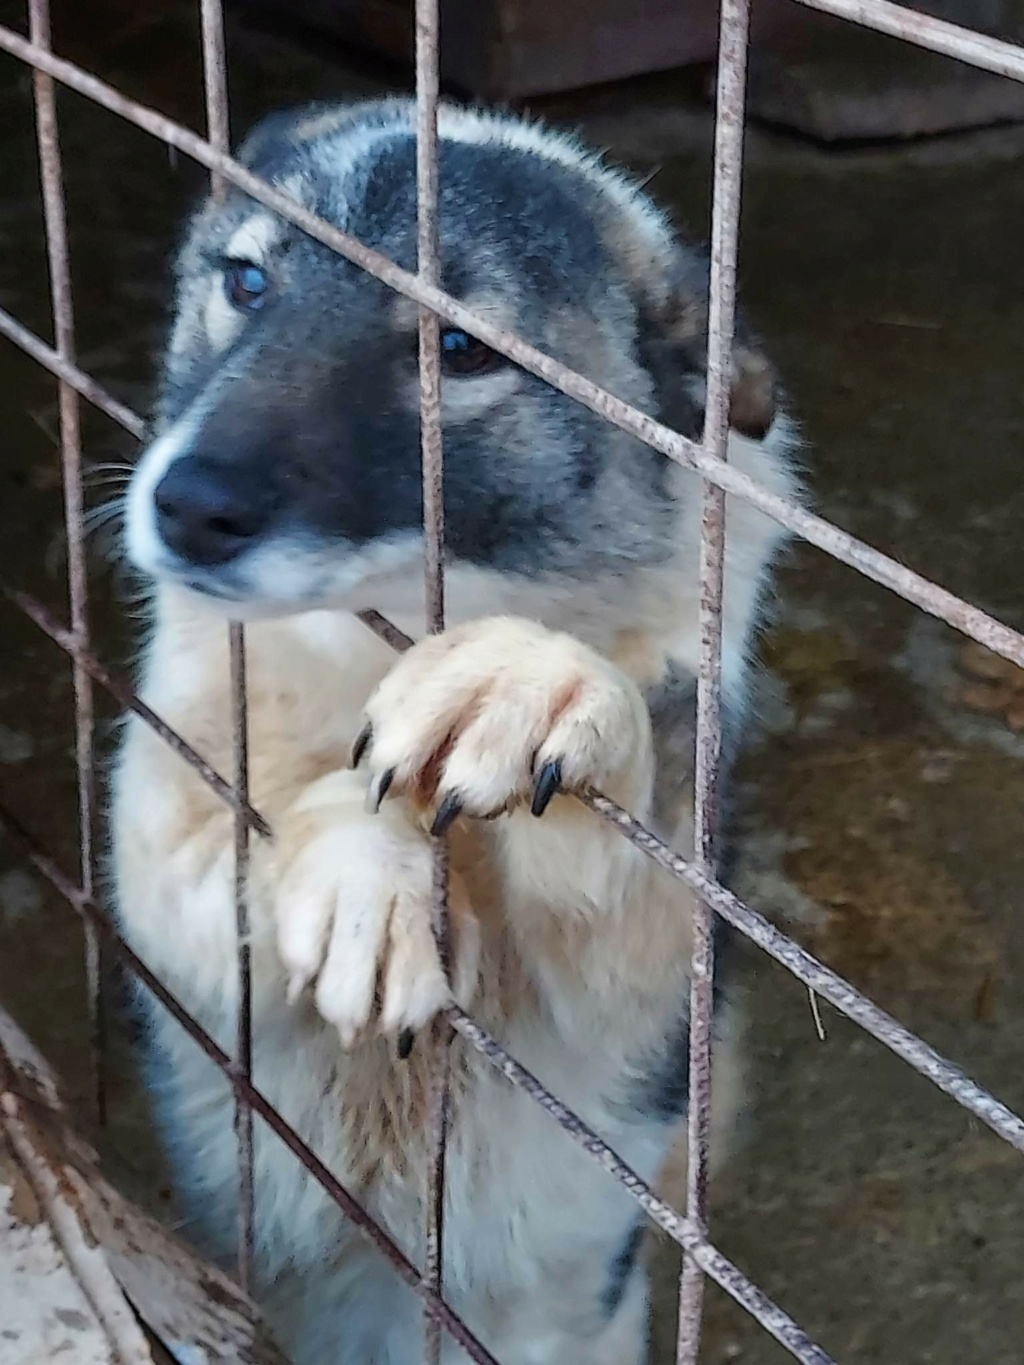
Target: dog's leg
<point>340,903</point>
<point>353,907</point>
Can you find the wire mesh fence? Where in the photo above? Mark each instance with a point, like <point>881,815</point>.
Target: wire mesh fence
<point>687,1229</point>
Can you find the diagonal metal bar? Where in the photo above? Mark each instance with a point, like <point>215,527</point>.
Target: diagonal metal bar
<point>821,979</point>
<point>65,370</point>
<point>423,287</point>
<point>122,691</point>
<point>900,21</point>
<point>806,968</point>
<point>682,1230</point>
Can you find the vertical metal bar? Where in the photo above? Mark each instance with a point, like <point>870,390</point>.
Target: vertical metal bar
<point>55,218</point>
<point>429,325</point>
<point>218,134</point>
<point>427,87</point>
<point>215,77</point>
<point>243,1018</point>
<point>728,170</point>
<point>438,1120</point>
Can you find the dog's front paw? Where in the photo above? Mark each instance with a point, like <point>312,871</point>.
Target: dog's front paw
<point>501,712</point>
<point>354,911</point>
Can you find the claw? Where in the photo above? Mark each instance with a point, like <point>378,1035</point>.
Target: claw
<point>448,811</point>
<point>548,781</point>
<point>406,1042</point>
<point>361,742</point>
<point>379,788</point>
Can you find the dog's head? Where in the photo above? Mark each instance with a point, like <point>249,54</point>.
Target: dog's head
<point>286,470</point>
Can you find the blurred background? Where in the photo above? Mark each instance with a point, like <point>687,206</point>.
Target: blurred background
<point>881,808</point>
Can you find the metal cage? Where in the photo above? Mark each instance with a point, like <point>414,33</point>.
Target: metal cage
<point>688,1229</point>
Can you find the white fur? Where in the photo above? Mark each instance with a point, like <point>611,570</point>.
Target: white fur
<point>223,323</point>
<point>255,239</point>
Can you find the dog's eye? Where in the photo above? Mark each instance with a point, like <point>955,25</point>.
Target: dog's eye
<point>464,354</point>
<point>246,285</point>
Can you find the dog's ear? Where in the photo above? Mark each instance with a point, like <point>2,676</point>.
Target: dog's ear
<point>673,329</point>
<point>754,397</point>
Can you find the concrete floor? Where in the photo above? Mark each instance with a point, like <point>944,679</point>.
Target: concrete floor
<point>882,814</point>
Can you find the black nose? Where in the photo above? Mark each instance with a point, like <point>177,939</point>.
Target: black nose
<point>204,514</point>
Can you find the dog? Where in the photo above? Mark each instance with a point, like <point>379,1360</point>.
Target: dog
<point>282,487</point>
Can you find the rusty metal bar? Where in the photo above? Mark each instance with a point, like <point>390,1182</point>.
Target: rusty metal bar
<point>821,979</point>
<point>429,274</point>
<point>438,1118</point>
<point>388,632</point>
<point>55,223</point>
<point>734,29</point>
<point>215,78</point>
<point>682,1231</point>
<point>432,453</point>
<point>722,1271</point>
<point>122,692</point>
<point>873,564</point>
<point>899,21</point>
<point>87,907</point>
<point>243,1007</point>
<point>69,373</point>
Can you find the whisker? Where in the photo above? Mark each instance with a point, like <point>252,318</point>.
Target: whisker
<point>96,485</point>
<point>98,475</point>
<point>104,513</point>
<point>107,466</point>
